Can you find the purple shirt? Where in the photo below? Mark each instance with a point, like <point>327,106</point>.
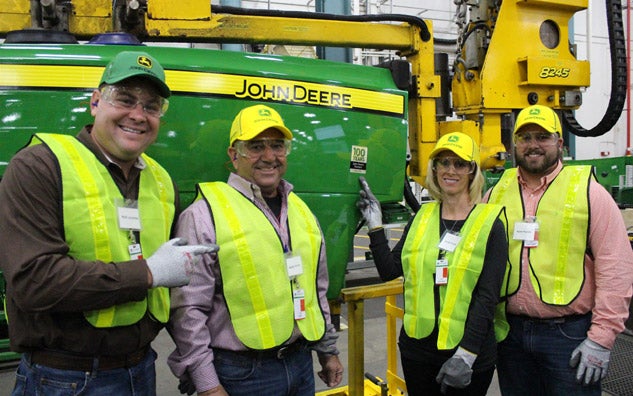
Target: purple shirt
<point>199,316</point>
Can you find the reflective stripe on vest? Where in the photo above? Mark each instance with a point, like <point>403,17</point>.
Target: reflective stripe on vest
<point>256,288</point>
<point>557,268</point>
<point>419,255</point>
<point>91,221</point>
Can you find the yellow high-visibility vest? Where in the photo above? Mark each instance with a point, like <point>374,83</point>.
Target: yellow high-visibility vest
<point>419,255</point>
<point>91,221</point>
<point>257,290</point>
<point>557,264</point>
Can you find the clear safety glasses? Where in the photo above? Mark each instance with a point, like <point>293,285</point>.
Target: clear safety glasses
<point>541,138</point>
<point>128,98</point>
<point>459,165</point>
<point>256,148</point>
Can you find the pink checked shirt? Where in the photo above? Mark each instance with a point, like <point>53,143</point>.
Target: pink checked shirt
<point>608,275</point>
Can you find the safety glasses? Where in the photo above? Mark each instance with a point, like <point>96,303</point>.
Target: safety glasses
<point>540,138</point>
<point>256,148</point>
<point>459,165</point>
<point>128,98</point>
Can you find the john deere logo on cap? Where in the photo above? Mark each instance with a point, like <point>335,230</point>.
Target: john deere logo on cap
<point>453,139</point>
<point>264,112</point>
<point>535,111</point>
<point>144,61</point>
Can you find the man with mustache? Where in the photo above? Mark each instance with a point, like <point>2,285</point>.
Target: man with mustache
<point>571,267</point>
<point>248,321</point>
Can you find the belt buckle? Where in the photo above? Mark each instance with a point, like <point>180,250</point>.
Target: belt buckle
<point>282,351</point>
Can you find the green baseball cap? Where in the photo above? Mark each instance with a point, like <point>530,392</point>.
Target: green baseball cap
<point>128,64</point>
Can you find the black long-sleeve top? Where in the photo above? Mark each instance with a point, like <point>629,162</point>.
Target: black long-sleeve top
<point>479,336</point>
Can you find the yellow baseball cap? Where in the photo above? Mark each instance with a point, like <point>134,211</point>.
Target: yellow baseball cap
<point>542,116</point>
<point>253,120</point>
<point>459,143</point>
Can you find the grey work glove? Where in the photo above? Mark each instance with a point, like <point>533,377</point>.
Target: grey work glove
<point>592,360</point>
<point>456,371</point>
<point>172,264</point>
<point>369,206</point>
<point>327,344</point>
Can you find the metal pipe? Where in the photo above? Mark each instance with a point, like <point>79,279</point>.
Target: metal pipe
<point>36,14</point>
<point>49,13</point>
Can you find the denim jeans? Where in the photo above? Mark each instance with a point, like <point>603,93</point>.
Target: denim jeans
<point>38,380</point>
<point>242,375</point>
<point>534,358</point>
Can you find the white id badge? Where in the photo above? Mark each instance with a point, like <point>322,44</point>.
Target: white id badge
<point>128,215</point>
<point>441,271</point>
<point>299,300</point>
<point>449,241</point>
<point>294,266</point>
<point>526,232</point>
<point>135,251</point>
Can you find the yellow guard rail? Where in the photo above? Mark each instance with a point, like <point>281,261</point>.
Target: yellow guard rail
<point>357,384</point>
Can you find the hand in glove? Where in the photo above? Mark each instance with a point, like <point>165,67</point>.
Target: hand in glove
<point>327,344</point>
<point>369,206</point>
<point>592,360</point>
<point>456,371</point>
<point>187,387</point>
<point>172,264</point>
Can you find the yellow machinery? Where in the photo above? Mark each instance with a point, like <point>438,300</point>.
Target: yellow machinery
<point>509,54</point>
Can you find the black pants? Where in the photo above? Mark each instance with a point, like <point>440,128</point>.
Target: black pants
<point>629,322</point>
<point>420,380</point>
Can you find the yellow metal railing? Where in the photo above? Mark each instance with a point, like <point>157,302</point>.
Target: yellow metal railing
<point>357,384</point>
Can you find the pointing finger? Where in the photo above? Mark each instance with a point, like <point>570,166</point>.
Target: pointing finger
<point>178,241</point>
<point>363,183</point>
<point>202,249</point>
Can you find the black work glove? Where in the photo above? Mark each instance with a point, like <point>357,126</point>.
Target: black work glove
<point>186,387</point>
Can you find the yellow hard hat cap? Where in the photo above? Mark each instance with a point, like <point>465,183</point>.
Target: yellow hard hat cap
<point>253,120</point>
<point>542,116</point>
<point>459,143</point>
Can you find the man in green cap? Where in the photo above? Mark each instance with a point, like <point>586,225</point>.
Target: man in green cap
<point>88,220</point>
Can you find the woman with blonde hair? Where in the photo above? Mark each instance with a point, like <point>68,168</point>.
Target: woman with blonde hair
<point>453,256</point>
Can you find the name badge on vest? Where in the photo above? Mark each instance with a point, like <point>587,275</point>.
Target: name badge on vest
<point>135,251</point>
<point>441,271</point>
<point>294,266</point>
<point>128,214</point>
<point>449,241</point>
<point>526,231</point>
<point>299,302</point>
<point>130,220</point>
